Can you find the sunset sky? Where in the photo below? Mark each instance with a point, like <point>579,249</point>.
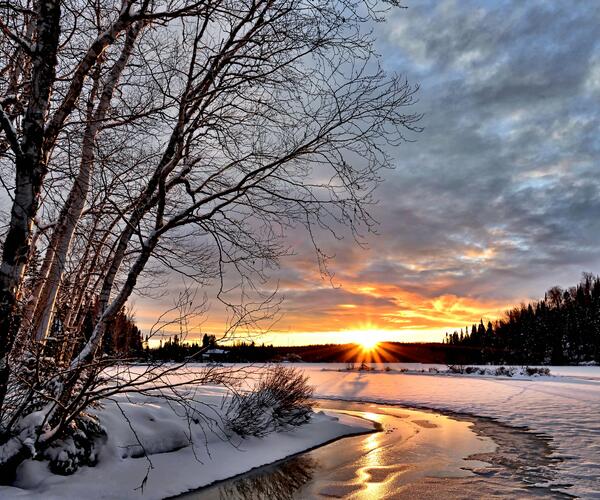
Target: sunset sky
<point>494,202</point>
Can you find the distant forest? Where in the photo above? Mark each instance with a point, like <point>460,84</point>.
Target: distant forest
<point>435,352</point>
<point>562,328</point>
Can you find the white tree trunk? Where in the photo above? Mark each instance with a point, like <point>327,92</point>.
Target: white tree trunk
<point>73,207</point>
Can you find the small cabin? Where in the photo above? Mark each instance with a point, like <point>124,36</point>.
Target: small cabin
<point>215,354</point>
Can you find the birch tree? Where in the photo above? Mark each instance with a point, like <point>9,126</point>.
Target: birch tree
<point>187,134</point>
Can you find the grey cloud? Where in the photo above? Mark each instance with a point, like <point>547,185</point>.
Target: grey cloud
<point>503,91</point>
<point>508,161</point>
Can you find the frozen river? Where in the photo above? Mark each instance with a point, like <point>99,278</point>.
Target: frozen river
<point>413,453</point>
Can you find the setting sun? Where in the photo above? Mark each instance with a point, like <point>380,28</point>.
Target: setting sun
<point>368,343</point>
<point>366,338</point>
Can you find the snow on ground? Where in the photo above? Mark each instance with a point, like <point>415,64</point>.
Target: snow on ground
<point>176,467</point>
<point>565,408</point>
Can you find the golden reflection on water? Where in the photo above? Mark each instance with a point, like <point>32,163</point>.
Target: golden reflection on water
<point>373,473</point>
<point>432,445</point>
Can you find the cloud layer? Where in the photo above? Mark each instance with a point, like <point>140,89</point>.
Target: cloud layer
<point>499,197</point>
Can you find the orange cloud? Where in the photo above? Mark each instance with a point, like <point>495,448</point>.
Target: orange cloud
<point>419,309</point>
<point>325,315</point>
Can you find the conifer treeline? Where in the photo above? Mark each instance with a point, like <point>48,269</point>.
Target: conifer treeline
<point>562,328</point>
<point>173,349</point>
<point>122,340</point>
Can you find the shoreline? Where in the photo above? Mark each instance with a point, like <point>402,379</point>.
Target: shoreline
<point>508,474</point>
<point>253,470</point>
<point>515,409</point>
<point>172,473</point>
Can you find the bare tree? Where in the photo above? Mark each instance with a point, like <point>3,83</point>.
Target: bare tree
<point>182,134</point>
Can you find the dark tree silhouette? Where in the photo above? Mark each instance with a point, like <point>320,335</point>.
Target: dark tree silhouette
<point>563,327</point>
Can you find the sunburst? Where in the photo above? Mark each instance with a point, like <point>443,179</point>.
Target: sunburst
<point>368,343</point>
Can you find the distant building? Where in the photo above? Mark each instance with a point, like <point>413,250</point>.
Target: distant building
<point>215,355</point>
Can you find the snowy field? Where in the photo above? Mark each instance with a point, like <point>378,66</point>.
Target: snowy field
<point>565,407</point>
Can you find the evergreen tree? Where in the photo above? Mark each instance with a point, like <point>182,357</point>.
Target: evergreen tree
<point>563,327</point>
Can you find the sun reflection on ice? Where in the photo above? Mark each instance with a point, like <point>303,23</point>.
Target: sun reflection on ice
<point>373,474</point>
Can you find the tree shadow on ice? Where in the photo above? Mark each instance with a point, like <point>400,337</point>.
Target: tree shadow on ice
<point>277,481</point>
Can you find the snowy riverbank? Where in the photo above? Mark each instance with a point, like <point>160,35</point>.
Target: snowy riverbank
<point>174,466</point>
<point>564,407</point>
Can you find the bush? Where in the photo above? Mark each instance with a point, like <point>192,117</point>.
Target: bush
<point>78,447</point>
<point>532,370</point>
<point>469,370</point>
<point>505,371</point>
<point>281,398</point>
